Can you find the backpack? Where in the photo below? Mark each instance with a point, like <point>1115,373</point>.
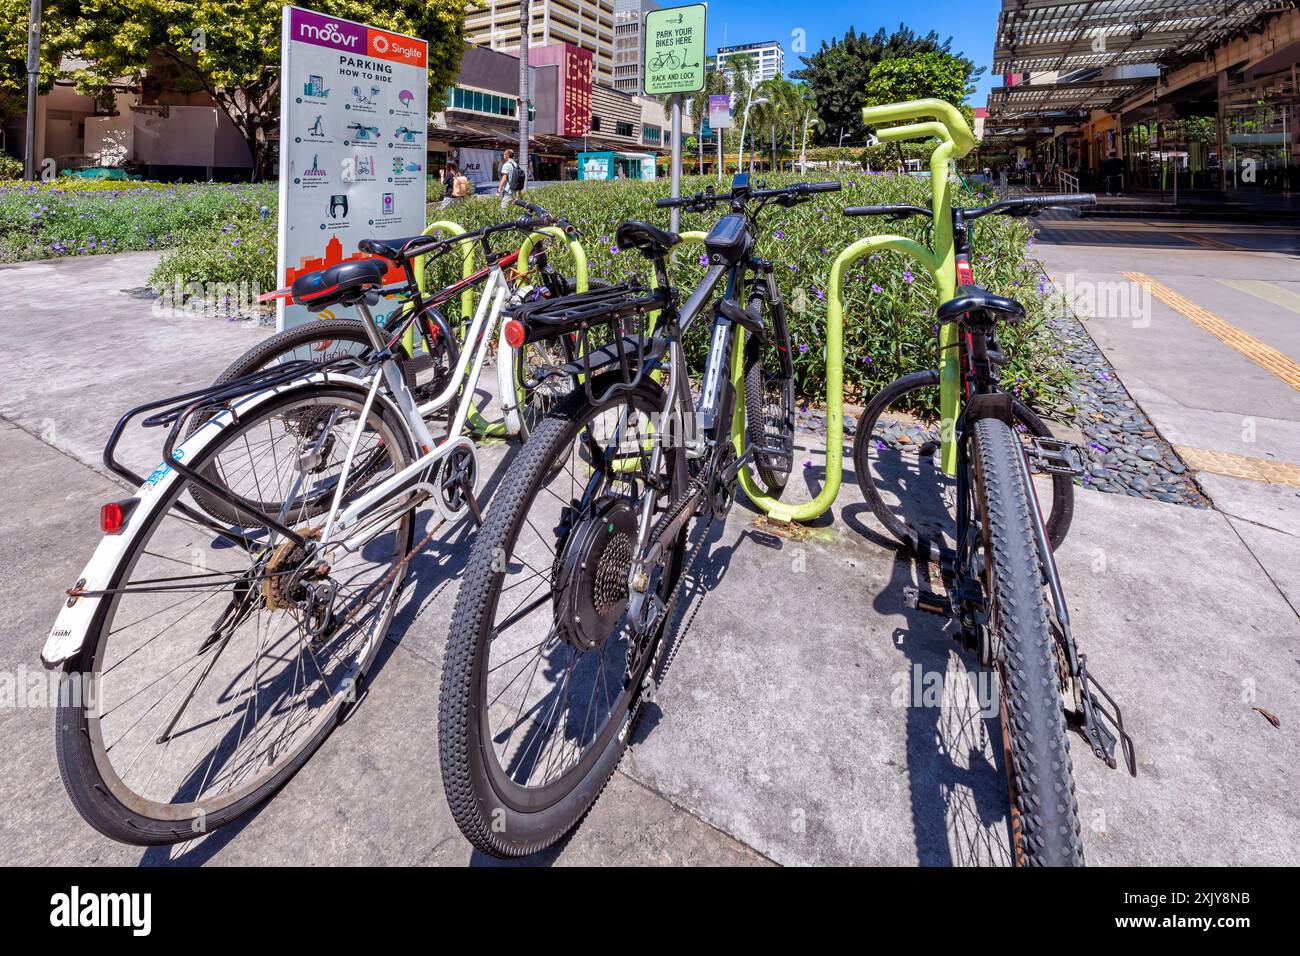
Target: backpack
<point>517,177</point>
<point>460,186</point>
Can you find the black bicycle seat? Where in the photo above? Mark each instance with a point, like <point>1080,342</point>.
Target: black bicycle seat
<point>400,249</point>
<point>971,298</point>
<point>651,241</point>
<point>345,284</point>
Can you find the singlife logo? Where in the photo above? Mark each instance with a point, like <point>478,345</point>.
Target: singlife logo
<point>73,909</point>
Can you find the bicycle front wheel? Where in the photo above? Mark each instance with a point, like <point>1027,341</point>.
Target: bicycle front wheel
<point>543,673</point>
<point>1044,819</point>
<point>217,662</point>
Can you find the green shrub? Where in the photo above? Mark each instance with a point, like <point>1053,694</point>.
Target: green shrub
<point>70,217</point>
<point>889,299</point>
<point>10,167</point>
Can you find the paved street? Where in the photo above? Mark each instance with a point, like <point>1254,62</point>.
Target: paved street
<point>776,737</point>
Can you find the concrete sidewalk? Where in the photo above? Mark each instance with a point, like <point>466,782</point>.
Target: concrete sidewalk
<point>777,736</point>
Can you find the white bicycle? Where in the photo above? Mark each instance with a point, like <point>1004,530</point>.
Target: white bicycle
<point>226,620</point>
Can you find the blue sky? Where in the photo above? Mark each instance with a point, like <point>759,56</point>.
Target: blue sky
<point>970,23</point>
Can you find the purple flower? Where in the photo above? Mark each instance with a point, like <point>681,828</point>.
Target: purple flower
<point>779,234</point>
<point>613,250</point>
<point>908,277</point>
<point>704,260</point>
<point>802,348</point>
<point>876,288</point>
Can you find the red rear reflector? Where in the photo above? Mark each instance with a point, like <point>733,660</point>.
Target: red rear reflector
<point>273,295</point>
<point>515,333</point>
<point>112,518</point>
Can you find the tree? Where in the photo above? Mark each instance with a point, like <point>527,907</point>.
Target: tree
<point>232,51</point>
<point>938,75</point>
<point>838,75</point>
<point>696,106</point>
<point>56,37</point>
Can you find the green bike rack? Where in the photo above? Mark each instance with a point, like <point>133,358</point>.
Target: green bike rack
<point>477,423</point>
<point>956,140</point>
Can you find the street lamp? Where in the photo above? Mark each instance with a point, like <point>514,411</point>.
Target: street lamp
<point>744,125</point>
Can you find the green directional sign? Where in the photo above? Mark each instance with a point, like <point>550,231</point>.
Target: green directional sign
<point>674,50</point>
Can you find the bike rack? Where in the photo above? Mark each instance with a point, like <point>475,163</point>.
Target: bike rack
<point>940,262</point>
<point>479,425</point>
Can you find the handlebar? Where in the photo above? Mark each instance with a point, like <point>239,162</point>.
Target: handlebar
<point>785,195</point>
<point>542,218</point>
<point>900,211</point>
<point>1031,205</point>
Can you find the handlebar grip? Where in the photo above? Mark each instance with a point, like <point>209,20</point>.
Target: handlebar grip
<point>828,187</point>
<point>1064,199</point>
<point>670,202</point>
<point>866,210</point>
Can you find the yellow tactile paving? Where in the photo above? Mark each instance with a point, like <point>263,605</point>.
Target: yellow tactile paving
<point>1265,356</point>
<point>1240,466</point>
<point>1266,291</point>
<point>1207,241</point>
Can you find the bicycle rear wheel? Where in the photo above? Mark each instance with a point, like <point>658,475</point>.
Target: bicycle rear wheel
<point>1045,829</point>
<point>896,456</point>
<point>216,663</point>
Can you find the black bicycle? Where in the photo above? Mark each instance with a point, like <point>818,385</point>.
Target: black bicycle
<point>985,527</point>
<point>558,632</point>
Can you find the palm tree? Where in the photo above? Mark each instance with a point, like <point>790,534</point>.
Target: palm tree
<point>740,70</point>
<point>696,105</point>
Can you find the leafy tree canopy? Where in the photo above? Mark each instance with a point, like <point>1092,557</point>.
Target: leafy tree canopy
<point>839,75</point>
<point>230,49</point>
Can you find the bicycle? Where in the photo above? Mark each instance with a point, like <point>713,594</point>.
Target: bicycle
<point>429,371</point>
<point>996,551</point>
<point>204,661</point>
<point>592,524</point>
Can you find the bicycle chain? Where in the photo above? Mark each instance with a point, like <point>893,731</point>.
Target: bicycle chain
<point>387,578</point>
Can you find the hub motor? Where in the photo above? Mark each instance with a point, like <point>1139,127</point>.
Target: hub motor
<point>592,581</point>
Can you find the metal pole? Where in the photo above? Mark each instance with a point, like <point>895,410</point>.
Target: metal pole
<point>33,78</point>
<point>525,35</point>
<point>675,214</point>
<point>719,134</point>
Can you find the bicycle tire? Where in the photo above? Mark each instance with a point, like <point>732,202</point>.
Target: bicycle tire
<point>108,804</point>
<point>482,813</point>
<point>1062,510</point>
<point>757,386</point>
<point>1045,826</point>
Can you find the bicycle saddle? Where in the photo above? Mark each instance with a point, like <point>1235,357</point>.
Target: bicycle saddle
<point>971,298</point>
<point>346,284</point>
<point>651,241</point>
<point>399,249</point>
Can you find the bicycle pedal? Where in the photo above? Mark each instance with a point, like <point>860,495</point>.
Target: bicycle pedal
<point>1055,456</point>
<point>1102,724</point>
<point>914,599</point>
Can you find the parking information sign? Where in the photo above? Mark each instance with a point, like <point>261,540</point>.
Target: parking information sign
<point>674,50</point>
<point>353,130</point>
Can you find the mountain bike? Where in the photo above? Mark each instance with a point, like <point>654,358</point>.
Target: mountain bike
<point>204,660</point>
<point>557,637</point>
<point>1004,589</point>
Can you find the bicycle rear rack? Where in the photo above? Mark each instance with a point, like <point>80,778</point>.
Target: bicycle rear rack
<point>176,410</point>
<point>625,311</point>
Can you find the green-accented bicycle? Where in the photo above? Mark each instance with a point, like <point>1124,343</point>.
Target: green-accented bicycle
<point>983,522</point>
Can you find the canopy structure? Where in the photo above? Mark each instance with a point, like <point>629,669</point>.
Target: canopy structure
<point>1038,36</point>
<point>1014,107</point>
<point>1064,60</point>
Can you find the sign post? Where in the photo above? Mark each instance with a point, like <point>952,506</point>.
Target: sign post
<point>674,64</point>
<point>354,121</point>
<point>719,121</point>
